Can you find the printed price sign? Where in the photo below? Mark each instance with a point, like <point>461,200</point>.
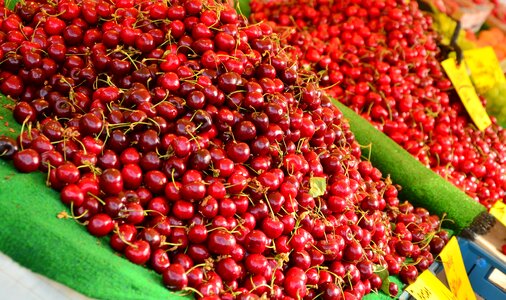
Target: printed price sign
<point>485,69</point>
<point>456,271</point>
<point>428,287</point>
<point>499,212</point>
<point>465,89</point>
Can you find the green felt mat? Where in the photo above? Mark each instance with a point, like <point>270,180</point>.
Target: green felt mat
<point>420,185</point>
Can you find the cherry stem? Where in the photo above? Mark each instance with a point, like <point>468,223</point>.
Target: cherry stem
<point>122,238</point>
<point>96,198</point>
<point>78,217</point>
<point>189,290</point>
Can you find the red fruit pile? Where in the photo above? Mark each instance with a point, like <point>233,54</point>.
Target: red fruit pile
<point>192,139</point>
<point>381,59</point>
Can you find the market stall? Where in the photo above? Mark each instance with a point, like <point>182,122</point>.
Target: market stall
<point>263,149</point>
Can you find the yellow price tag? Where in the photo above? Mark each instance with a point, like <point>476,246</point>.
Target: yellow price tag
<point>428,287</point>
<point>445,26</point>
<point>456,271</point>
<point>485,69</point>
<point>499,211</point>
<point>462,83</point>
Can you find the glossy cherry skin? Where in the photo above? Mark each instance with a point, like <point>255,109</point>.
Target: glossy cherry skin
<point>27,160</point>
<point>100,225</point>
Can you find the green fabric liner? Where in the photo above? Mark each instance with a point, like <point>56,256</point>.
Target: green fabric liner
<point>420,185</point>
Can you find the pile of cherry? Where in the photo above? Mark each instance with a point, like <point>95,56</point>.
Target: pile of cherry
<point>193,140</point>
<point>381,58</point>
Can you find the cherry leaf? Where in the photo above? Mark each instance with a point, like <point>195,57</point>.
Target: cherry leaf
<point>382,272</point>
<point>317,186</point>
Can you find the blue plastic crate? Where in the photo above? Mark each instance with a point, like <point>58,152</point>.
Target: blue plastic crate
<point>479,266</point>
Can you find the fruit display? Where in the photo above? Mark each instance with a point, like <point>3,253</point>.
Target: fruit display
<point>496,101</point>
<point>493,37</point>
<point>191,139</point>
<point>499,12</point>
<point>489,34</point>
<point>381,58</point>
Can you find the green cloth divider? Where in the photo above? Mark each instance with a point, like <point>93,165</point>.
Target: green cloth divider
<point>61,249</point>
<point>420,185</point>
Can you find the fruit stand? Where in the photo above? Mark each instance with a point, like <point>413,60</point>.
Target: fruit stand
<point>252,150</point>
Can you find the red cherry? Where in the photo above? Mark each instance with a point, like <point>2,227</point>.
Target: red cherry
<point>67,173</point>
<point>26,161</point>
<point>8,147</point>
<point>159,260</point>
<point>295,282</point>
<point>111,181</point>
<point>408,274</point>
<point>100,225</point>
<point>221,242</point>
<point>72,194</point>
<point>124,235</point>
<point>138,252</point>
<point>175,277</point>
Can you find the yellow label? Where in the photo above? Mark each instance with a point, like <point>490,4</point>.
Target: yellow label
<point>456,271</point>
<point>499,211</point>
<point>464,87</point>
<point>445,26</point>
<point>485,69</point>
<point>428,287</point>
